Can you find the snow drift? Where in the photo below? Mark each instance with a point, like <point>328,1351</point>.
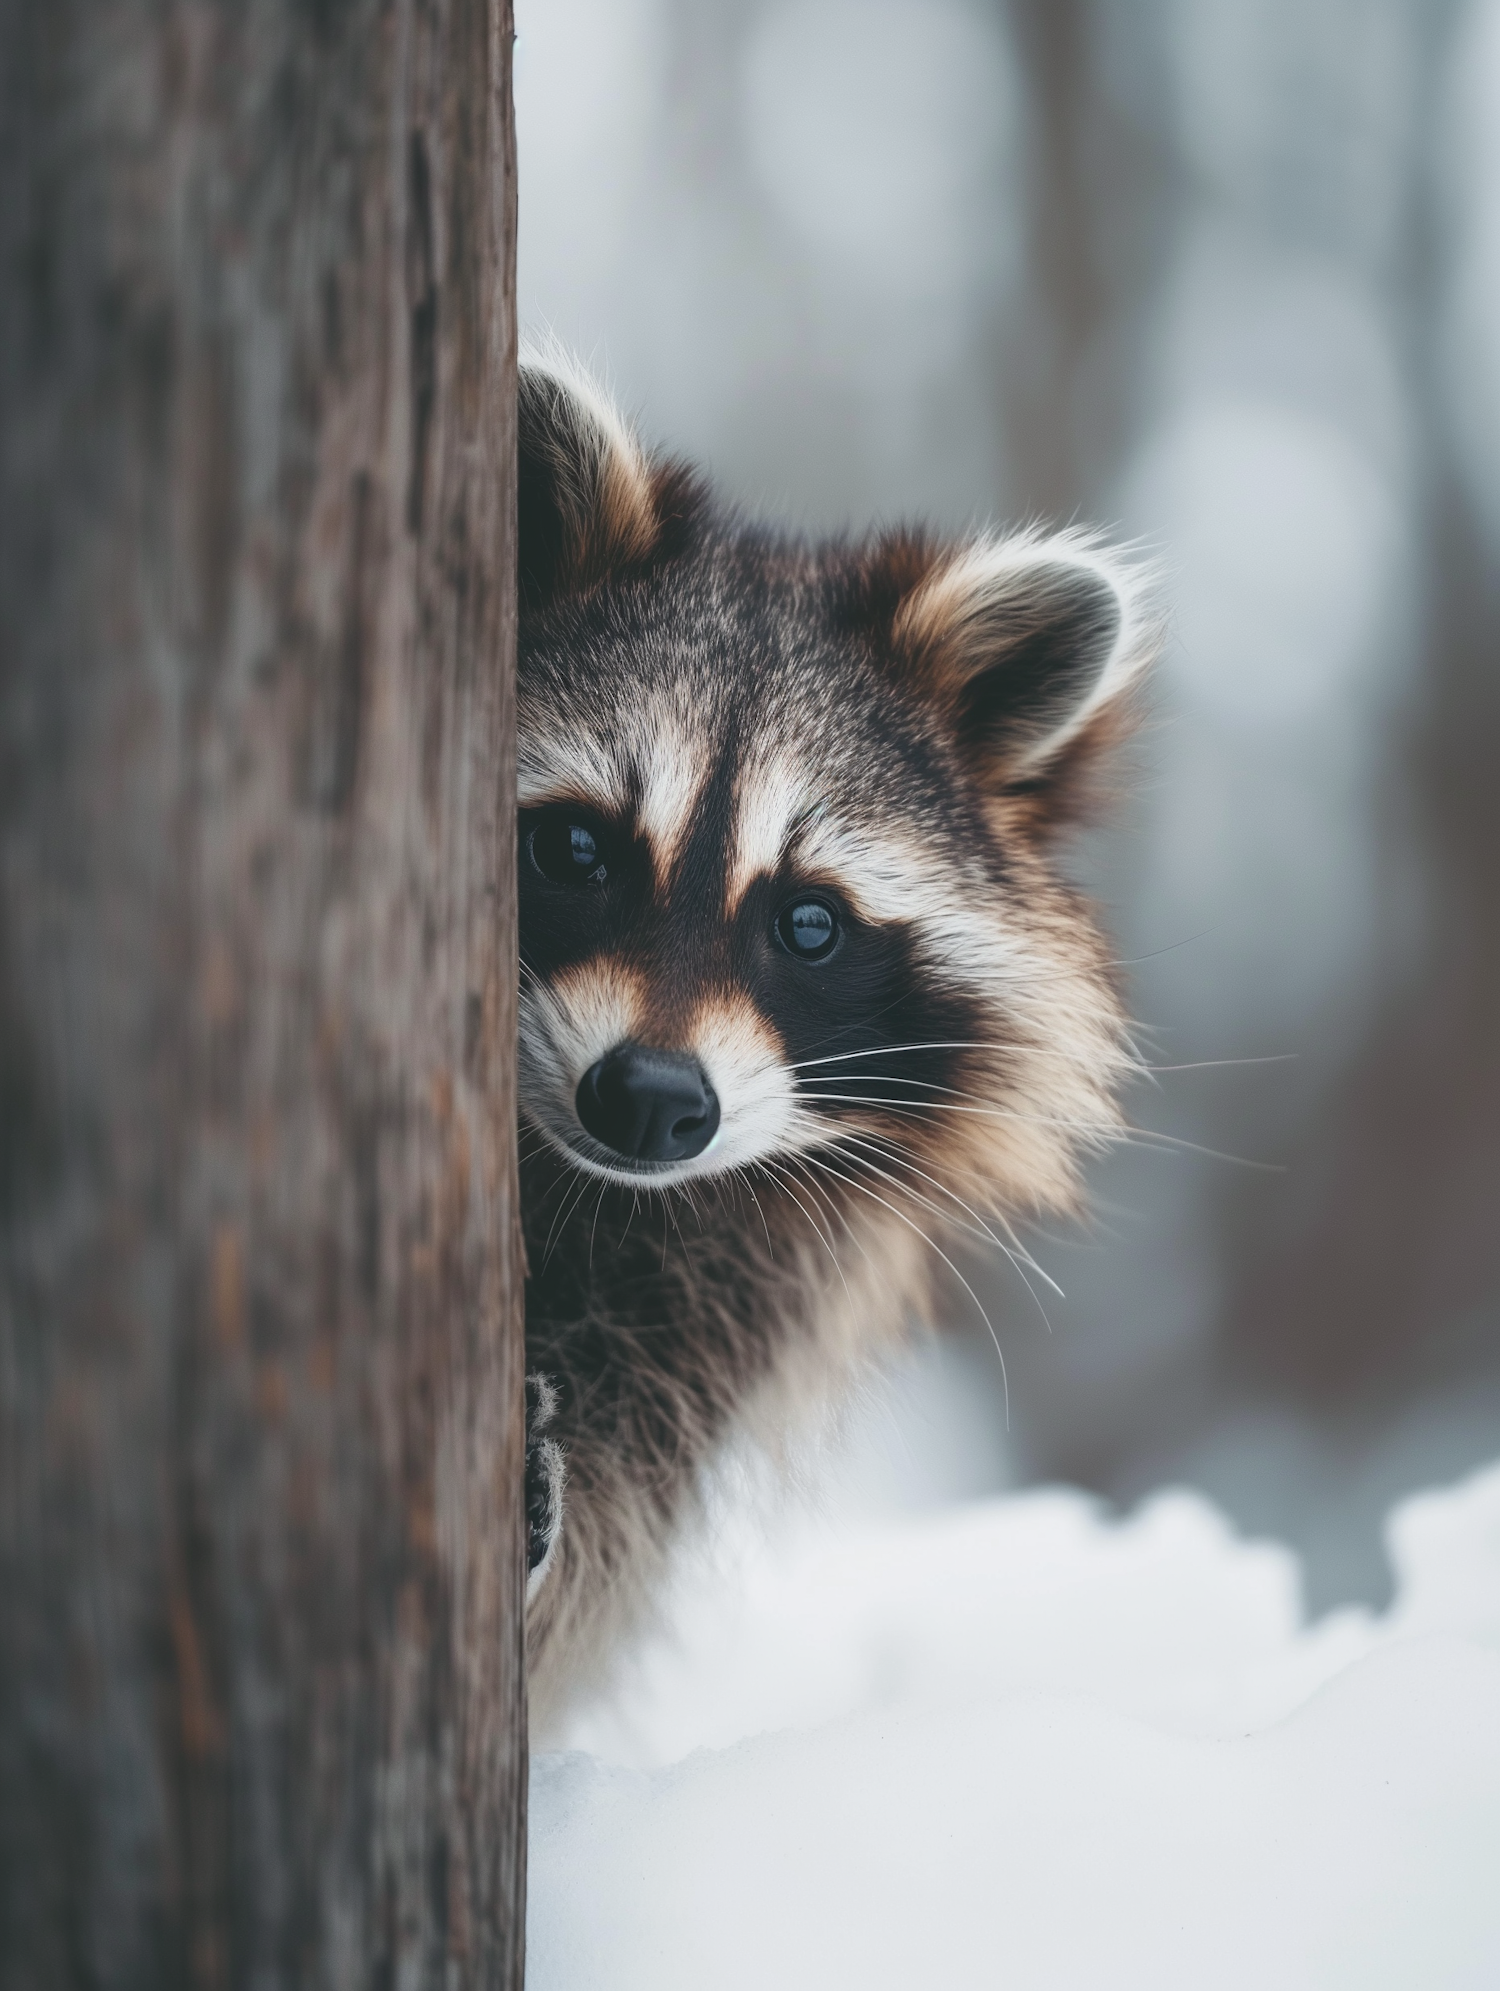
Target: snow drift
<point>1022,1745</point>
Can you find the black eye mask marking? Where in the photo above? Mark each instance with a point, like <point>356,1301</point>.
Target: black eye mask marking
<point>858,1019</point>
<point>585,885</point>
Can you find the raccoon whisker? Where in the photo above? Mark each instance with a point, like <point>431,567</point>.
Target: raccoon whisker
<point>893,1050</point>
<point>916,1111</point>
<point>594,1228</point>
<point>666,1231</point>
<point>804,1165</point>
<point>961,1170</point>
<point>770,1248</point>
<point>902,1217</point>
<point>1009,1047</point>
<point>1033,980</point>
<point>925,1085</point>
<point>925,1202</point>
<point>1101,1130</point>
<point>1149,1140</point>
<point>844,1028</point>
<point>559,1224</point>
<point>777,1174</point>
<point>1039,1050</point>
<point>972,1176</point>
<point>806,1172</point>
<point>741,1177</point>
<point>816,1089</point>
<point>1017,1249</point>
<point>1026,1256</point>
<point>1121,1132</point>
<point>796,1165</point>
<point>985,1232</point>
<point>635,1204</point>
<point>1222,1064</point>
<point>927,1239</point>
<point>562,1180</point>
<point>847,1143</point>
<point>565,1210</point>
<point>532,1140</point>
<point>682,1192</point>
<point>1014,1251</point>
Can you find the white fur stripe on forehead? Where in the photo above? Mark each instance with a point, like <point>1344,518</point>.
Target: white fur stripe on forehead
<point>672,774</point>
<point>654,756</point>
<point>888,880</point>
<point>1085,607</point>
<point>555,766</point>
<point>771,795</point>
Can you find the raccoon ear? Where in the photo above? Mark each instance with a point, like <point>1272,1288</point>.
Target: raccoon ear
<point>589,501</point>
<point>1032,642</point>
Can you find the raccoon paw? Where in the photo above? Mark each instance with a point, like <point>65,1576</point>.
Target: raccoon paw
<point>544,1482</point>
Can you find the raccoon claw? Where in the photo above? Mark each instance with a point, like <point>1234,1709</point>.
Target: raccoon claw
<point>544,1482</point>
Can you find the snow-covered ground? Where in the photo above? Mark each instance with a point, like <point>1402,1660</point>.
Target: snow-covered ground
<point>1020,1744</point>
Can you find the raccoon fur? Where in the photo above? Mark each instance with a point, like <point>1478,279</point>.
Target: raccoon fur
<point>803,989</point>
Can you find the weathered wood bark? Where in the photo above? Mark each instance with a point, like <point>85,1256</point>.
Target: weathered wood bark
<point>260,1345</point>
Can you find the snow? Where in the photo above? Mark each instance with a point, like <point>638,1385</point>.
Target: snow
<point>1023,1744</point>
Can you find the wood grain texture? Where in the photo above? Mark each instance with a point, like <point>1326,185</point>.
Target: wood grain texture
<point>261,1692</point>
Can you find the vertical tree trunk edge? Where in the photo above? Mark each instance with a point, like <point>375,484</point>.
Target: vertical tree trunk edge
<point>262,1559</point>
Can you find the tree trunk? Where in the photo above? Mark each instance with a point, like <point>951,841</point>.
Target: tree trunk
<point>261,1436</point>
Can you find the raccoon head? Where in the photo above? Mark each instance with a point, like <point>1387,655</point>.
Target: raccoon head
<point>789,813</point>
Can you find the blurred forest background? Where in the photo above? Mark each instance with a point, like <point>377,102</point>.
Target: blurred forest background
<point>1225,276</point>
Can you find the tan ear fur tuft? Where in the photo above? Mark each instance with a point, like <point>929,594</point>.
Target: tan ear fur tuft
<point>1030,640</point>
<point>583,467</point>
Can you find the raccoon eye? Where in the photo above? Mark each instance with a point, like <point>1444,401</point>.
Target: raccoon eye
<point>808,929</point>
<point>568,850</point>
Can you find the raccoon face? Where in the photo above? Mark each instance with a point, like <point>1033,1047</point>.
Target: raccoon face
<point>787,816</point>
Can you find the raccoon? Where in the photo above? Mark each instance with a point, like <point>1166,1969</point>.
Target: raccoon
<point>803,989</point>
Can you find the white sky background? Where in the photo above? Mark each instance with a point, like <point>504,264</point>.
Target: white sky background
<point>793,235</point>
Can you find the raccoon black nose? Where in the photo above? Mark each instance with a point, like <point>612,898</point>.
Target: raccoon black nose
<point>649,1105</point>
